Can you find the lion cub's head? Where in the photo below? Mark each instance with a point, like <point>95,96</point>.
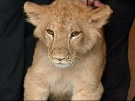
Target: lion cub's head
<point>67,28</point>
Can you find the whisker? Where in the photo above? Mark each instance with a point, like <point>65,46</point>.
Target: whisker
<point>46,54</point>
<point>46,57</point>
<point>73,63</point>
<point>78,57</point>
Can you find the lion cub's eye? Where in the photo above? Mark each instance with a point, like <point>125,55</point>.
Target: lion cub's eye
<point>50,32</point>
<point>75,33</point>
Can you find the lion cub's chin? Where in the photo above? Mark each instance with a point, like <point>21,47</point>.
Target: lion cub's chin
<point>61,65</point>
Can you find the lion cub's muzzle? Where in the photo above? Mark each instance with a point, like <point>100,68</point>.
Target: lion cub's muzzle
<point>60,57</point>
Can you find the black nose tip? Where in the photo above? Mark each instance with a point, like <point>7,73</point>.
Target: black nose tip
<point>60,59</point>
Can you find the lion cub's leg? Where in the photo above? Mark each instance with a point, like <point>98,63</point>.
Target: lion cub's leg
<point>88,93</point>
<point>34,88</point>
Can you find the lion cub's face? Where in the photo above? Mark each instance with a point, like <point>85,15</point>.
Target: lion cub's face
<point>67,28</point>
<point>63,39</point>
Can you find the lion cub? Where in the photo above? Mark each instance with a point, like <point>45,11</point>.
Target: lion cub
<point>70,54</point>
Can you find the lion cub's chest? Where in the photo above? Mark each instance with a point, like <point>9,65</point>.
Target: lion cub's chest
<point>61,87</point>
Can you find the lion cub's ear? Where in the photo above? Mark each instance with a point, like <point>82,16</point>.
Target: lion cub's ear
<point>33,12</point>
<point>99,16</point>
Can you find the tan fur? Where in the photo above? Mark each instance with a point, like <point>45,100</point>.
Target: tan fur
<point>66,66</point>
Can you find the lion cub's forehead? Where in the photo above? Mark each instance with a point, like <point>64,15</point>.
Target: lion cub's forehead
<point>64,24</point>
<point>64,21</point>
<point>66,13</point>
<point>68,9</point>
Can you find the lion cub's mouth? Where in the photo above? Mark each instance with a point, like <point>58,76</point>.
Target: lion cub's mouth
<point>60,63</point>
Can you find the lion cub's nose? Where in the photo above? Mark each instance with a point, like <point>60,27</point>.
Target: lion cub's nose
<point>60,53</point>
